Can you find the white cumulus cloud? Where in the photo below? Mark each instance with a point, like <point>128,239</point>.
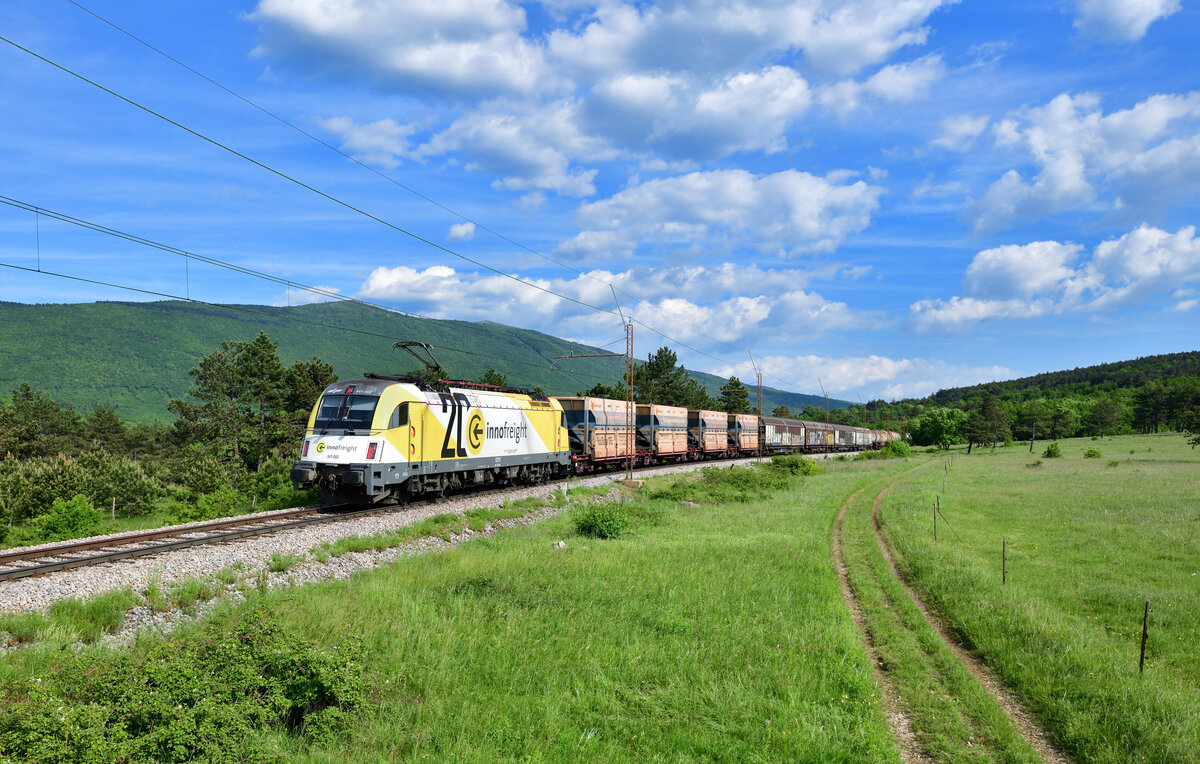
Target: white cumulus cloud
<point>461,232</point>
<point>383,142</point>
<point>959,131</point>
<point>1123,20</point>
<point>1149,154</point>
<point>467,48</point>
<point>782,213</point>
<point>1021,270</point>
<point>526,149</point>
<point>895,83</point>
<point>899,377</point>
<point>695,304</point>
<point>1027,281</point>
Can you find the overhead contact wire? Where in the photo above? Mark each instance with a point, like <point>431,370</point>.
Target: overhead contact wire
<point>302,184</point>
<point>348,205</point>
<point>242,309</point>
<point>390,179</point>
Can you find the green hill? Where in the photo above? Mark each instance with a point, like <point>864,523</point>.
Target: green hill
<point>1101,378</point>
<point>135,356</point>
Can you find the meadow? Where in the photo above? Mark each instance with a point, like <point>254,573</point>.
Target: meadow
<point>1090,538</point>
<point>709,626</point>
<point>712,628</point>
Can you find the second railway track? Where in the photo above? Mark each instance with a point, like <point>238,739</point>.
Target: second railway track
<point>39,561</point>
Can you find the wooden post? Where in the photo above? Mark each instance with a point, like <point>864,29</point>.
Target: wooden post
<point>114,509</point>
<point>935,513</point>
<point>1145,632</point>
<point>1004,561</point>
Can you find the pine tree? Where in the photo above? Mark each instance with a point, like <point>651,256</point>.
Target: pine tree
<point>734,398</point>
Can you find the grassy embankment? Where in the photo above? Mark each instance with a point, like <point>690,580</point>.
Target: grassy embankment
<point>707,632</point>
<point>1089,541</point>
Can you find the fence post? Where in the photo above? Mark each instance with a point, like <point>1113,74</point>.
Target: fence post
<point>1145,632</point>
<point>935,514</point>
<point>114,509</point>
<point>1004,561</point>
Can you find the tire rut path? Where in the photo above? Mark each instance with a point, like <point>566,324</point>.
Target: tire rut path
<point>1021,719</point>
<point>898,721</point>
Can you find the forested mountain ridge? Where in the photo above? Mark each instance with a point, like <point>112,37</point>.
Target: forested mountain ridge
<point>134,357</point>
<point>1084,381</point>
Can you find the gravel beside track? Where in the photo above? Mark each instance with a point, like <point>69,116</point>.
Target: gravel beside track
<point>253,554</point>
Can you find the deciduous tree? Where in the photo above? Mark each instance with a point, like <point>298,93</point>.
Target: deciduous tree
<point>493,378</point>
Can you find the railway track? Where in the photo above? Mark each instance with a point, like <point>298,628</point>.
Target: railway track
<point>51,559</point>
<point>35,562</point>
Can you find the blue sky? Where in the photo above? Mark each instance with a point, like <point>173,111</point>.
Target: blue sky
<point>888,196</point>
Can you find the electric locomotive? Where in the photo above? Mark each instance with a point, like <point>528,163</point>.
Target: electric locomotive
<point>384,437</point>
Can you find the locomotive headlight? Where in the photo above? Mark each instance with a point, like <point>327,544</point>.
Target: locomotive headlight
<point>371,448</point>
<point>304,450</point>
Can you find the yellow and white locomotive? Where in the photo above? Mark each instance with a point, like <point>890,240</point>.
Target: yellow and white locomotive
<point>385,437</point>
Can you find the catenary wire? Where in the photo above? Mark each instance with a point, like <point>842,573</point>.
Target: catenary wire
<point>288,317</point>
<point>349,206</point>
<point>641,302</point>
<point>352,207</point>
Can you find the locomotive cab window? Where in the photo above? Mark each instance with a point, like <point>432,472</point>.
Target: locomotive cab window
<point>346,412</point>
<point>399,417</point>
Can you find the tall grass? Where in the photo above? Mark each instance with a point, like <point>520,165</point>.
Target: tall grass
<point>1087,546</point>
<point>716,633</point>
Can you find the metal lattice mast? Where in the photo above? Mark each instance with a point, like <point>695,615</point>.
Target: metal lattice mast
<point>630,441</point>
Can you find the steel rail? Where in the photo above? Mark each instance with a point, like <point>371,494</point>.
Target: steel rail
<point>137,536</point>
<point>145,551</point>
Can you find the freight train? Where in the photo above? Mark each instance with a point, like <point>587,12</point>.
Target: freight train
<point>386,438</point>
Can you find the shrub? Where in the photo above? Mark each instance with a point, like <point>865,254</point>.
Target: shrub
<point>1092,453</point>
<point>721,484</point>
<point>601,521</point>
<point>70,519</point>
<point>896,449</point>
<point>1114,463</point>
<point>1052,451</point>
<point>221,503</point>
<point>30,487</point>
<point>204,697</point>
<point>794,464</point>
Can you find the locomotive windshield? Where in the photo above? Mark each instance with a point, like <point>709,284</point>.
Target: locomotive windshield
<point>345,412</point>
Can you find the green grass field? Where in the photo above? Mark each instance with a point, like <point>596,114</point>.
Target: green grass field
<point>714,632</point>
<point>952,716</point>
<point>1089,541</point>
<point>704,633</point>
